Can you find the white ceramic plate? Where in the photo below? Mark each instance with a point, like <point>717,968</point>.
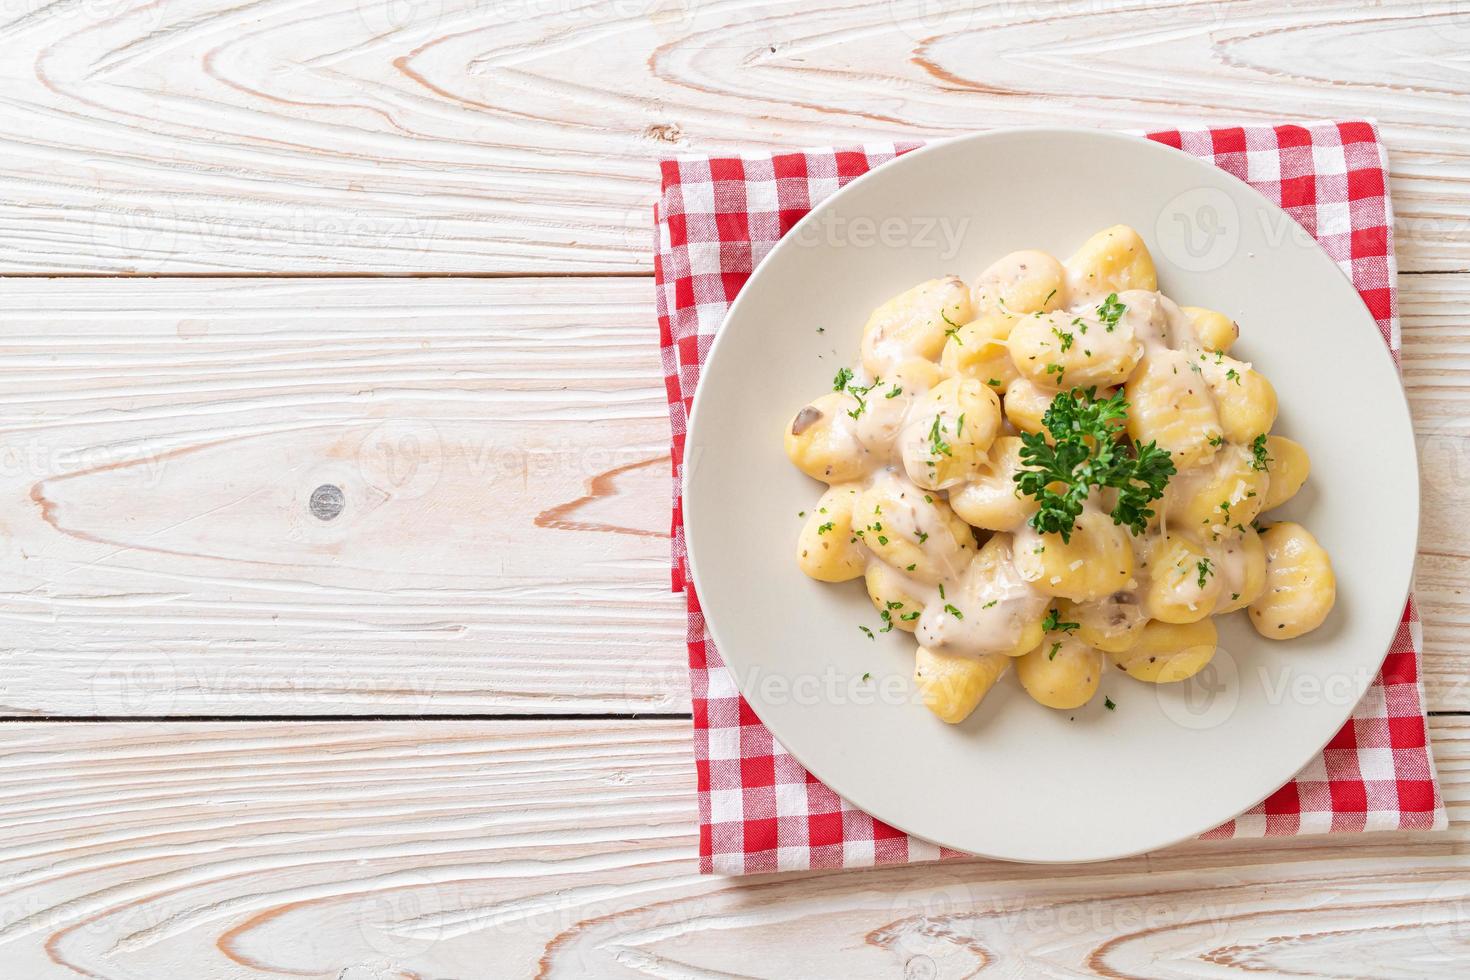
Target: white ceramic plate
<point>1016,780</point>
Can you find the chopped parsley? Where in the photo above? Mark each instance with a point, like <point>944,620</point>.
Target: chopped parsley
<point>1205,567</point>
<point>894,393</point>
<point>990,603</point>
<point>1232,375</point>
<point>1108,703</point>
<point>866,631</point>
<point>1053,622</point>
<point>994,382</point>
<point>825,528</point>
<point>954,329</point>
<point>1111,311</point>
<point>843,382</point>
<point>937,445</point>
<point>1053,654</point>
<point>1258,450</point>
<point>1064,337</point>
<point>1087,455</point>
<point>859,394</point>
<point>867,676</point>
<point>953,611</point>
<point>1048,297</point>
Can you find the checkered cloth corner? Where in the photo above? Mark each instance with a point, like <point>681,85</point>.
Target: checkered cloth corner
<point>759,809</point>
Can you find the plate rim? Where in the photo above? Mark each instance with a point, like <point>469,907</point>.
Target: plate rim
<point>1138,140</point>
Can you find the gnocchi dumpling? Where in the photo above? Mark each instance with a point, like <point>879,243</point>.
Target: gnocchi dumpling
<point>989,609</point>
<point>1288,465</point>
<point>1218,499</point>
<point>1019,610</point>
<point>914,324</point>
<point>1242,572</point>
<point>949,433</point>
<point>1170,403</point>
<point>951,685</point>
<point>1169,652</point>
<point>1062,350</point>
<point>1183,579</point>
<point>823,441</point>
<point>1214,331</point>
<point>1063,672</point>
<point>894,596</point>
<point>979,350</point>
<point>827,549</point>
<point>912,530</point>
<point>1111,624</point>
<point>991,499</point>
<point>1096,562</point>
<point>1025,404</point>
<point>1022,282</point>
<point>1111,261</point>
<point>1244,399</point>
<point>1300,585</point>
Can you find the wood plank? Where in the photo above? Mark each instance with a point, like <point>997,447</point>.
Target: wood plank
<point>455,136</point>
<point>500,445</point>
<point>1436,369</point>
<point>416,849</point>
<point>502,449</point>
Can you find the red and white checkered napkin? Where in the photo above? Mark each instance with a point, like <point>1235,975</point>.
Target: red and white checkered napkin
<point>759,810</point>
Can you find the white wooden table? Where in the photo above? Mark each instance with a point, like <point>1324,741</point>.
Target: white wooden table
<point>400,247</point>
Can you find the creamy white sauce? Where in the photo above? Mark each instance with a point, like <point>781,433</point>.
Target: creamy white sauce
<point>981,607</point>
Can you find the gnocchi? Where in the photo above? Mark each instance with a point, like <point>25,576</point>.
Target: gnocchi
<point>1056,467</point>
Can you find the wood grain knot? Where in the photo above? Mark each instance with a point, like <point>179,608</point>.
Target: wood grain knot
<point>327,501</point>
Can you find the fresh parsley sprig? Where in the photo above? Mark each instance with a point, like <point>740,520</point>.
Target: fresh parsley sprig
<point>1085,454</point>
